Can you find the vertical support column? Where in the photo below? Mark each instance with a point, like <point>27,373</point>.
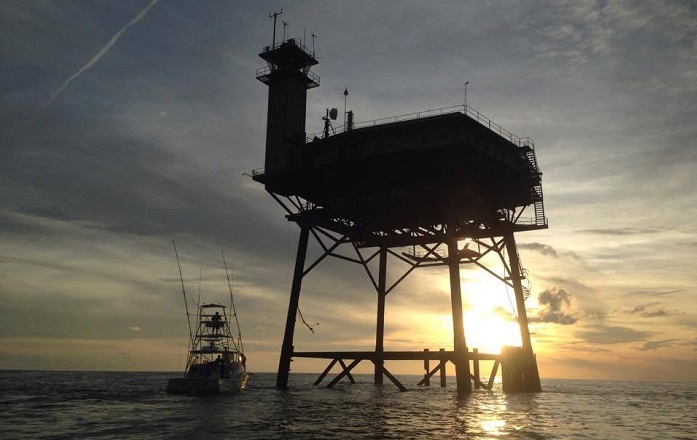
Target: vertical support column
<point>475,366</point>
<point>287,347</point>
<point>530,380</point>
<point>462,370</point>
<point>442,367</point>
<point>427,368</point>
<point>380,325</point>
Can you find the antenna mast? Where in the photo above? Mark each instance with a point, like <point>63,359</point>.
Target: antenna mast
<point>186,306</point>
<point>232,304</point>
<point>275,15</point>
<point>285,25</point>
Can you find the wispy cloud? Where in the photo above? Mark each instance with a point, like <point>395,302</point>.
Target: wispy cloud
<point>655,345</point>
<point>619,231</point>
<point>548,250</point>
<point>609,335</point>
<point>101,52</point>
<point>648,310</point>
<point>653,292</point>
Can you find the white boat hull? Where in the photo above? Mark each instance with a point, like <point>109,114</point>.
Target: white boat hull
<point>204,385</point>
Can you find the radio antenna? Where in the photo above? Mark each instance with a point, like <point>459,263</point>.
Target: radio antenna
<point>186,306</point>
<point>274,15</point>
<point>285,25</point>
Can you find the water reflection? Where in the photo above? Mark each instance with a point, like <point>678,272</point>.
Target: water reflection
<point>490,415</point>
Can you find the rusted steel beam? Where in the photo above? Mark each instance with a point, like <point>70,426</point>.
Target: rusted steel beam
<point>494,369</point>
<point>441,367</point>
<point>475,365</point>
<point>395,355</point>
<point>478,383</point>
<point>344,373</point>
<point>343,365</point>
<point>527,359</point>
<point>325,372</point>
<point>429,374</point>
<point>393,379</point>
<point>380,324</point>
<point>287,347</point>
<point>462,369</point>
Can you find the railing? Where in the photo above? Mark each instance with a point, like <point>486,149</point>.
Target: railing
<point>465,109</point>
<point>294,41</point>
<point>266,70</point>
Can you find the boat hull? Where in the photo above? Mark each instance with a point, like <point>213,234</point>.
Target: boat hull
<point>202,385</point>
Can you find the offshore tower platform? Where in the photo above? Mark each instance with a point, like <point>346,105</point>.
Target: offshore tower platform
<point>407,190</point>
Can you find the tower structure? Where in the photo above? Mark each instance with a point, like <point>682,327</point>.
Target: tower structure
<point>409,190</point>
<point>289,77</point>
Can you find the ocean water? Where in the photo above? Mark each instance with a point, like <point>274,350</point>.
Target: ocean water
<point>106,405</point>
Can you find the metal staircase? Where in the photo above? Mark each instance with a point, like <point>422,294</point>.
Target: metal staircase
<point>527,153</point>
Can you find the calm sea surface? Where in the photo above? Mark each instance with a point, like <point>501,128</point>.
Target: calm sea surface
<point>99,405</point>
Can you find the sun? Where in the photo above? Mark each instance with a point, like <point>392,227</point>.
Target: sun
<point>485,330</point>
<point>489,331</point>
<point>489,317</point>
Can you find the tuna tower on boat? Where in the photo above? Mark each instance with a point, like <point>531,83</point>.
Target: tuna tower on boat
<point>216,362</point>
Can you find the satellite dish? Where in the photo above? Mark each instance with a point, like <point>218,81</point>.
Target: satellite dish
<point>333,113</point>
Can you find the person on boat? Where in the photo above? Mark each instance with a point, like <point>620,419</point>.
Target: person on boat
<point>216,323</point>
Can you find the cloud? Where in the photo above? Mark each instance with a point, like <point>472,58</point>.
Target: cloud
<point>692,344</point>
<point>544,249</point>
<point>648,310</point>
<point>619,231</point>
<point>610,335</point>
<point>135,329</point>
<point>655,345</point>
<point>95,59</point>
<point>548,250</point>
<point>653,292</point>
<point>552,302</point>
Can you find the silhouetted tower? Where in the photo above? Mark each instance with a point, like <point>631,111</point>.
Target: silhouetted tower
<point>288,76</point>
<point>410,190</point>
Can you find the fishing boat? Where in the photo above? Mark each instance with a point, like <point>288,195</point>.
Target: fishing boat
<point>216,362</point>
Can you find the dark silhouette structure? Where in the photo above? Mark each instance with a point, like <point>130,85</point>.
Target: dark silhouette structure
<point>406,190</point>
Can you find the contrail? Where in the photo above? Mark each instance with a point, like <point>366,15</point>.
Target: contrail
<point>102,52</point>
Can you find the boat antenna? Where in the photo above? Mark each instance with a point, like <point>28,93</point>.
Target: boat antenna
<point>186,306</point>
<point>200,277</point>
<point>232,306</point>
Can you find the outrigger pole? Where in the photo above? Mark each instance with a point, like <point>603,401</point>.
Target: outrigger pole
<point>186,306</point>
<point>232,304</point>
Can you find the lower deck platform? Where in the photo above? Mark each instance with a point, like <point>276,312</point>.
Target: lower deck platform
<point>377,358</point>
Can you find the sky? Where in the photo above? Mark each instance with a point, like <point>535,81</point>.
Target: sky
<point>127,125</point>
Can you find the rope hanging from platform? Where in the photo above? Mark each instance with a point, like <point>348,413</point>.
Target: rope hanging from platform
<point>302,318</point>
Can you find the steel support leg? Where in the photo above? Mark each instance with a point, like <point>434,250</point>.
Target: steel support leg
<point>380,327</point>
<point>287,348</point>
<point>530,380</point>
<point>462,370</point>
